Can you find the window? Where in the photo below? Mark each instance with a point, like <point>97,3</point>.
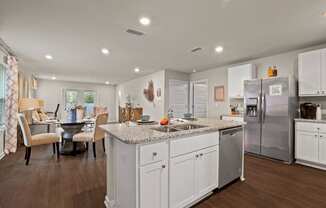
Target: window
<point>89,102</point>
<point>85,98</point>
<point>71,98</point>
<point>2,93</point>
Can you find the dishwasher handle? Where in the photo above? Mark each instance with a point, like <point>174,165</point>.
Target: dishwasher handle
<point>231,132</point>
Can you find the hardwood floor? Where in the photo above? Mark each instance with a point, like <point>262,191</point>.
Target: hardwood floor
<point>76,182</point>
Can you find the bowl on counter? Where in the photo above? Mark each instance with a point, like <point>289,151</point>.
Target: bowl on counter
<point>145,118</point>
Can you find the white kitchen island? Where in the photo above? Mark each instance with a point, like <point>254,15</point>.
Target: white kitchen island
<point>148,168</point>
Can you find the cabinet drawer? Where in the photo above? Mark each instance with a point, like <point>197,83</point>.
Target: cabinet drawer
<point>321,127</point>
<point>306,126</point>
<point>232,118</point>
<point>191,144</point>
<point>153,153</point>
<point>311,127</point>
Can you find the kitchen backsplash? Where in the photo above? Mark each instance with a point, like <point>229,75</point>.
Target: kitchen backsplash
<point>317,100</point>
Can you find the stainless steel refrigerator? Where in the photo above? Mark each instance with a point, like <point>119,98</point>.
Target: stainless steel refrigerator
<point>270,109</point>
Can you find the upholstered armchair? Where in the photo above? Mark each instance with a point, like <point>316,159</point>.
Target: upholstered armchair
<point>93,136</point>
<point>38,139</point>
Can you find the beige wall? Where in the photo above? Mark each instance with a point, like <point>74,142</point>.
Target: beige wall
<point>285,62</point>
<point>135,89</point>
<point>1,57</point>
<point>52,92</point>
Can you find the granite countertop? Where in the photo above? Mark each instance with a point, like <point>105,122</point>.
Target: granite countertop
<point>141,134</point>
<point>323,120</point>
<point>233,115</point>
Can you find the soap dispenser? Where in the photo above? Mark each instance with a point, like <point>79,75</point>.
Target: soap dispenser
<point>318,112</point>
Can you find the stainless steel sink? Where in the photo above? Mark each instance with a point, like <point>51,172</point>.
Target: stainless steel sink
<point>189,126</point>
<point>166,129</point>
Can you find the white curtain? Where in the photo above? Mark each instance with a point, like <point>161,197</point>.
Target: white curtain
<point>11,105</point>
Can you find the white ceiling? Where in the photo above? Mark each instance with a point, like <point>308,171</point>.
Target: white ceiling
<point>74,31</point>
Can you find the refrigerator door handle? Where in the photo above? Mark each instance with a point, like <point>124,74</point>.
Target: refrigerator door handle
<point>259,110</point>
<point>263,108</point>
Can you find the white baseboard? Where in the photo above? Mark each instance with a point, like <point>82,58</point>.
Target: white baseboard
<point>2,155</point>
<point>311,164</point>
<point>108,203</point>
<point>198,200</point>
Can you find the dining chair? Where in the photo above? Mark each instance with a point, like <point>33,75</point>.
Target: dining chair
<point>35,140</point>
<point>93,136</point>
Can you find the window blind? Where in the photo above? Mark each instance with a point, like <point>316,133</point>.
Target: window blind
<point>2,93</point>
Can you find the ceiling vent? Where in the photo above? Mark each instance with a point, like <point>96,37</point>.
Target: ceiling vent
<point>196,50</point>
<point>135,32</point>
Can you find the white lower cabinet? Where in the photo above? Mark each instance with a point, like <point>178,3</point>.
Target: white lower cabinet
<point>154,185</point>
<point>310,144</point>
<point>182,180</point>
<point>207,170</point>
<point>307,146</point>
<point>169,174</point>
<point>192,176</point>
<point>322,148</point>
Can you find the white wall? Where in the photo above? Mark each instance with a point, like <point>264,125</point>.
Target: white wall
<point>52,92</point>
<point>287,64</point>
<point>135,89</point>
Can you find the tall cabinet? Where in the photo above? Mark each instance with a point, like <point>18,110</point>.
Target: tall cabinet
<point>236,76</point>
<point>312,73</point>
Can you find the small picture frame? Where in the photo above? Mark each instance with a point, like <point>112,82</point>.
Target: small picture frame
<point>219,93</point>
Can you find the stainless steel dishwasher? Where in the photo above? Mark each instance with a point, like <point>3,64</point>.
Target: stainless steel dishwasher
<point>230,155</point>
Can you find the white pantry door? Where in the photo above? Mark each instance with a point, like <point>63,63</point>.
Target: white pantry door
<point>199,99</point>
<point>178,97</point>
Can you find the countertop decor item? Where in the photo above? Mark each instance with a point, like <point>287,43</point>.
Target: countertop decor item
<point>149,92</point>
<point>219,93</point>
<point>272,71</point>
<point>318,112</point>
<point>130,114</point>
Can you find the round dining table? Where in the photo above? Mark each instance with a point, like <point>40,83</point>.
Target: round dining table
<point>70,128</point>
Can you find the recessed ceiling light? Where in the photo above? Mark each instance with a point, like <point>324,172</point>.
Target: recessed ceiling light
<point>105,51</point>
<point>219,49</point>
<point>145,21</point>
<point>137,70</point>
<point>194,70</point>
<point>48,56</point>
<point>107,82</point>
<point>53,78</point>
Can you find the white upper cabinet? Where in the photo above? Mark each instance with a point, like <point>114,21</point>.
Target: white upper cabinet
<point>323,71</point>
<point>312,73</point>
<point>236,76</point>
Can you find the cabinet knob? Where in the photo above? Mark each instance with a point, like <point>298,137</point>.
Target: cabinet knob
<point>197,155</point>
<point>154,153</point>
<point>201,154</point>
<point>321,135</point>
<point>163,166</point>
